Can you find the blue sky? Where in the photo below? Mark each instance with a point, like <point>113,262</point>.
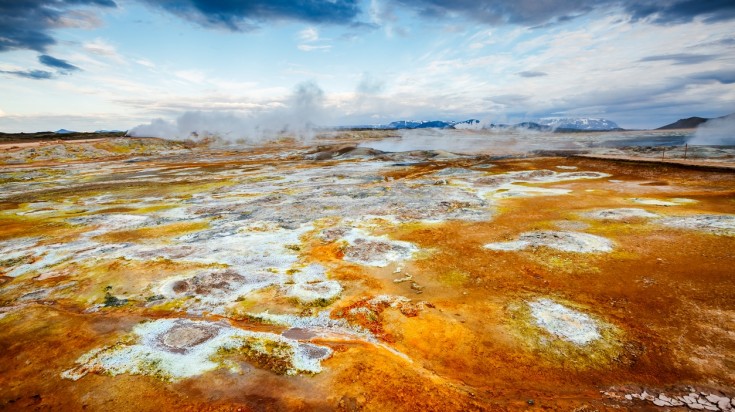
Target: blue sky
<point>104,64</point>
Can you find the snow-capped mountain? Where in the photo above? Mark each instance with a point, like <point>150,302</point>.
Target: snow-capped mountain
<point>582,123</point>
<point>472,124</point>
<point>437,124</point>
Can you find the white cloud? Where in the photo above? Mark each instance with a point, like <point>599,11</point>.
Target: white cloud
<point>314,47</point>
<point>103,48</point>
<point>79,19</point>
<point>308,35</point>
<point>193,76</point>
<point>311,41</point>
<point>146,63</point>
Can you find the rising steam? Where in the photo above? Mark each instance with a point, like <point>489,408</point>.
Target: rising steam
<point>302,112</point>
<point>720,131</point>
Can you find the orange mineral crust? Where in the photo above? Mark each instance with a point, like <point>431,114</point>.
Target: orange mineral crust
<point>279,278</point>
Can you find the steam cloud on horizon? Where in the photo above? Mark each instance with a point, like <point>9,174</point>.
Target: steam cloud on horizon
<point>716,132</point>
<point>303,111</point>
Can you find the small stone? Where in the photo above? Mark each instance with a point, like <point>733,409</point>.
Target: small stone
<point>711,408</point>
<point>403,279</point>
<point>530,402</point>
<point>713,398</point>
<point>664,397</point>
<point>659,402</point>
<point>629,397</point>
<point>724,404</point>
<point>689,399</point>
<point>695,406</point>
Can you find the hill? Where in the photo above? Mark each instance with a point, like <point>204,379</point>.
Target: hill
<point>688,123</point>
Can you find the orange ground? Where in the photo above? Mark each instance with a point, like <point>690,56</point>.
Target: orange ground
<point>670,293</point>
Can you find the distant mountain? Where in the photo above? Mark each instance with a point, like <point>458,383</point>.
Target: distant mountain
<point>576,124</point>
<point>549,124</point>
<point>418,124</point>
<point>689,123</point>
<point>434,124</point>
<point>109,131</point>
<point>64,131</point>
<point>533,126</point>
<point>563,125</point>
<point>468,124</point>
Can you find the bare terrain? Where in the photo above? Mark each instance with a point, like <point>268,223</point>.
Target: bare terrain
<point>368,271</point>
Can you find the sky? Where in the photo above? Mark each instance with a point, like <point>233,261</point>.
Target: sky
<point>115,64</point>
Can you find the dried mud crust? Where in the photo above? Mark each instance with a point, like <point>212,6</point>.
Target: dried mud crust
<point>564,241</point>
<point>173,349</point>
<point>182,337</point>
<point>210,283</point>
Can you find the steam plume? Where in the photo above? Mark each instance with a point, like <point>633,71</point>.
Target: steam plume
<point>303,111</point>
<point>720,131</point>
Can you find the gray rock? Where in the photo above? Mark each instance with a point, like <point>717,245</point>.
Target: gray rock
<point>713,398</point>
<point>689,398</point>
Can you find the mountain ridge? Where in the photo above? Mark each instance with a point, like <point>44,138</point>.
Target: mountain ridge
<point>692,122</point>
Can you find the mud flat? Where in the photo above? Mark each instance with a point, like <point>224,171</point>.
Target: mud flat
<point>152,275</point>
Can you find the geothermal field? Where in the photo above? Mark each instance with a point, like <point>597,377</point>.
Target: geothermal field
<point>372,270</point>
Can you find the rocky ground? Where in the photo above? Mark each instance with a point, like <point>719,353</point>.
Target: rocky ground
<point>141,274</point>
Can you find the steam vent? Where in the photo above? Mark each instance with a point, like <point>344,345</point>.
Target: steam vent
<point>355,272</point>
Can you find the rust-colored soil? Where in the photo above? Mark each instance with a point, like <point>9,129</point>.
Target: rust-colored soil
<point>464,342</point>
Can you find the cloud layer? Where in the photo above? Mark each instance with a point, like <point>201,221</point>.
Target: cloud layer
<point>378,60</point>
<point>27,24</point>
<point>248,15</point>
<point>57,63</point>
